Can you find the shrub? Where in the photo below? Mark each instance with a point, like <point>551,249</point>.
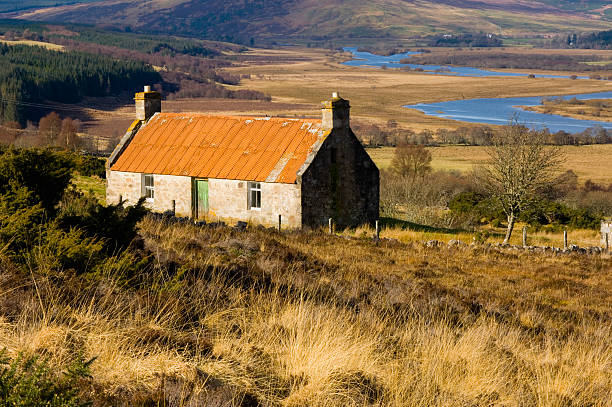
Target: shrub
<point>89,166</point>
<point>27,381</point>
<point>43,172</point>
<point>20,213</point>
<point>115,224</point>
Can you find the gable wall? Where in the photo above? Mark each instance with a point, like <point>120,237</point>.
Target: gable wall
<point>347,190</point>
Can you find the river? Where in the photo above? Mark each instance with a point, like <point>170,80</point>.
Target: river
<point>487,110</point>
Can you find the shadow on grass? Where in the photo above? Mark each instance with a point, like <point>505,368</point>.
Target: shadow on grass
<point>407,225</point>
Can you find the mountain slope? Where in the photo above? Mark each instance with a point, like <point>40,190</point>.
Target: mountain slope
<point>267,20</point>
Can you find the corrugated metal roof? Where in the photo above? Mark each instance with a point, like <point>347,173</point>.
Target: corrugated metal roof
<point>228,147</point>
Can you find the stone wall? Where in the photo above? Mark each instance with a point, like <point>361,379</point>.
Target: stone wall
<point>123,184</point>
<point>167,189</point>
<point>228,200</point>
<point>342,182</point>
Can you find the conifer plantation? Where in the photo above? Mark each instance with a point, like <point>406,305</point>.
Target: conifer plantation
<point>34,75</point>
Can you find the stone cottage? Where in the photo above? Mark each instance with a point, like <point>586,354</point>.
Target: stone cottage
<point>251,169</point>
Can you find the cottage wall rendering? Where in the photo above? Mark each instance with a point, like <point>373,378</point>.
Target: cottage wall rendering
<point>251,169</point>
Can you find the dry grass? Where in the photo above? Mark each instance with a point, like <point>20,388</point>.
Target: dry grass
<point>583,111</point>
<point>588,162</point>
<point>47,45</point>
<point>307,319</point>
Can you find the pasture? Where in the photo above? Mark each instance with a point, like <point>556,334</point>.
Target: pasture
<point>588,162</point>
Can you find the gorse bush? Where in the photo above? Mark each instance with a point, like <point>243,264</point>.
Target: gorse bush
<point>27,381</point>
<point>44,173</point>
<point>477,208</point>
<point>90,166</point>
<point>45,223</point>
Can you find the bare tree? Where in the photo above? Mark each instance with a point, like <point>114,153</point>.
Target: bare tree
<point>411,160</point>
<point>520,166</point>
<point>49,128</point>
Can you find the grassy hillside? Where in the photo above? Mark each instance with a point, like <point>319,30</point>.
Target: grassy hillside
<point>261,318</point>
<point>336,21</point>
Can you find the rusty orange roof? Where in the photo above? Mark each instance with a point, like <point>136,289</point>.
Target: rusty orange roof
<point>229,147</point>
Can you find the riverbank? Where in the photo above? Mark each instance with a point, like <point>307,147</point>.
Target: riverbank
<point>594,109</point>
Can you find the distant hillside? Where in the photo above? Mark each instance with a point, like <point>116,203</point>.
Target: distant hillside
<point>12,5</point>
<point>332,21</point>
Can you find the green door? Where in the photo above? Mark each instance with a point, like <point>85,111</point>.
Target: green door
<point>201,187</point>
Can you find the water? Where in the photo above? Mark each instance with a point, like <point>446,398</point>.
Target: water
<point>393,61</point>
<point>501,110</point>
<point>489,110</point>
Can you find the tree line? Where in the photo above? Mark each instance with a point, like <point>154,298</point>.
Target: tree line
<point>32,75</point>
<point>592,40</point>
<point>505,60</point>
<point>465,40</point>
<point>391,135</point>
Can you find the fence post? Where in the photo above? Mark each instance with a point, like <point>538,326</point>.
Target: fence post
<point>565,239</point>
<point>524,236</point>
<point>173,207</point>
<point>331,226</point>
<point>279,222</point>
<point>377,230</point>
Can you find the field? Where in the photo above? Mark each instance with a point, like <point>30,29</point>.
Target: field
<point>47,45</point>
<point>588,162</point>
<point>261,318</point>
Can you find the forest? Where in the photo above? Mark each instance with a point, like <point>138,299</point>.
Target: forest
<point>187,67</point>
<point>594,40</point>
<point>31,75</point>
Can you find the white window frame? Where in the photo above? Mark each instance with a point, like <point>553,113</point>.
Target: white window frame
<point>148,191</point>
<point>254,187</point>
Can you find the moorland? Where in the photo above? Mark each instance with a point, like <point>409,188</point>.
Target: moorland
<point>138,310</point>
<point>118,306</point>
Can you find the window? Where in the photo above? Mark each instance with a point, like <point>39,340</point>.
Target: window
<point>254,195</point>
<point>148,187</point>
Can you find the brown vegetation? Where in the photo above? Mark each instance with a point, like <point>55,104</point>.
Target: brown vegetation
<point>594,109</point>
<point>307,319</point>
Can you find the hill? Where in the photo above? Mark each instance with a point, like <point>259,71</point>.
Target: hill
<point>162,312</point>
<point>335,22</point>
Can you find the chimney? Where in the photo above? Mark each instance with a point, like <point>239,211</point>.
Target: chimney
<point>147,103</point>
<point>335,113</point>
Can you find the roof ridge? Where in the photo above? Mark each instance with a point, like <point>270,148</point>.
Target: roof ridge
<point>239,117</point>
<point>250,148</point>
